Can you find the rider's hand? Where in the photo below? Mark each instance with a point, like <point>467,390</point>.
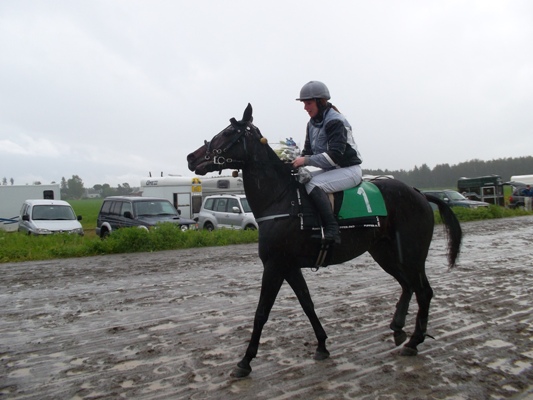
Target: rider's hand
<point>298,162</point>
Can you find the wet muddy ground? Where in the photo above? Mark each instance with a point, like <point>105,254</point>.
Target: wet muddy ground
<point>174,324</point>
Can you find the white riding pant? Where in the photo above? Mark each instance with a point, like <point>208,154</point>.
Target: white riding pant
<point>335,180</point>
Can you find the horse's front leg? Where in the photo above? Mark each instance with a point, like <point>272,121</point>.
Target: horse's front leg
<point>270,286</point>
<point>297,282</point>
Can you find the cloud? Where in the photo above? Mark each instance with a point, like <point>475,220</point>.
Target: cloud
<point>108,90</point>
<point>33,147</point>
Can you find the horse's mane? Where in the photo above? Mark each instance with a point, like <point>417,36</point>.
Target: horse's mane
<point>280,168</point>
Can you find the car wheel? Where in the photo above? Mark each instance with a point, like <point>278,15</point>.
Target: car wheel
<point>184,228</point>
<point>104,234</point>
<point>250,228</point>
<point>209,226</point>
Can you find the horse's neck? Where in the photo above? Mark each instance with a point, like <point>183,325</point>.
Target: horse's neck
<point>265,185</point>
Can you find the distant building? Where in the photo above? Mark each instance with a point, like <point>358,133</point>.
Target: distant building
<point>92,193</point>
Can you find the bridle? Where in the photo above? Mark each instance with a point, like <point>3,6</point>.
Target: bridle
<point>217,154</point>
<point>241,130</point>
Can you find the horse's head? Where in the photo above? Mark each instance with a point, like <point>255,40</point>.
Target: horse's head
<point>228,149</point>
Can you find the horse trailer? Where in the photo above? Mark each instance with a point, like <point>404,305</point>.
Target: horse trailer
<point>222,185</point>
<point>487,188</point>
<point>185,193</point>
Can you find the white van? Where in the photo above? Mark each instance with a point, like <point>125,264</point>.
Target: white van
<point>44,217</point>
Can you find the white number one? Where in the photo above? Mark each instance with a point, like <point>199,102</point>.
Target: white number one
<point>362,192</point>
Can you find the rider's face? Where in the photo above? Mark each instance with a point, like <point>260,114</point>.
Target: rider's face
<point>311,107</point>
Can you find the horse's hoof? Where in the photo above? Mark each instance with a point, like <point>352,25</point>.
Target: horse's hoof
<point>408,351</point>
<point>240,372</point>
<point>321,355</point>
<point>399,337</point>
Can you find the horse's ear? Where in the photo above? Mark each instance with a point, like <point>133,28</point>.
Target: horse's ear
<point>247,116</point>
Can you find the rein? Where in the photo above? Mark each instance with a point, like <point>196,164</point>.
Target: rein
<point>270,217</point>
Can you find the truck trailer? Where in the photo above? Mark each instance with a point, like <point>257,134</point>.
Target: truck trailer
<point>13,196</point>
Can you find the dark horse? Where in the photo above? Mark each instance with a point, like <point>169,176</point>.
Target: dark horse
<point>399,245</point>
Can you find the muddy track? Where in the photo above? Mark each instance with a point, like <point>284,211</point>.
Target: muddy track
<point>174,324</point>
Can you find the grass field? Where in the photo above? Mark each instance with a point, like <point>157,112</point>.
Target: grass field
<point>88,209</point>
<point>19,247</point>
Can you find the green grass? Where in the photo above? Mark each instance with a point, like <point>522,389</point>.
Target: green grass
<point>15,247</point>
<point>88,209</point>
<point>477,214</point>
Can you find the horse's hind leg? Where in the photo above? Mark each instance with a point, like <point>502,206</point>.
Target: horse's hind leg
<point>398,320</point>
<point>424,293</point>
<point>387,258</point>
<point>297,282</point>
<point>270,286</point>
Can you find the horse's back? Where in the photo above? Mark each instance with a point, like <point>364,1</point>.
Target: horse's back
<point>400,197</point>
<point>409,223</point>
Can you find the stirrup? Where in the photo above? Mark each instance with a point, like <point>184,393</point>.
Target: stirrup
<point>327,240</point>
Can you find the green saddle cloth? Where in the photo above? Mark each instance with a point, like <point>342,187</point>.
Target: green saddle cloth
<point>362,201</point>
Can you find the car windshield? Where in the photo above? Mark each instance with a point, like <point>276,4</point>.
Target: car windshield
<point>518,188</point>
<point>245,205</point>
<point>455,195</point>
<point>154,207</point>
<point>52,212</point>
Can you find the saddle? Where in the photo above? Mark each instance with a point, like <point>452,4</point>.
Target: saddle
<point>354,208</point>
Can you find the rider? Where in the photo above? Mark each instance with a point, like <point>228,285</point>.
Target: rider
<point>329,145</point>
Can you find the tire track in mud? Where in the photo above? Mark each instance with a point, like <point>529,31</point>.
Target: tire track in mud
<point>174,324</point>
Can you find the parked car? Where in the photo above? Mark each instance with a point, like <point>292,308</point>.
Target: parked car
<point>143,212</point>
<point>455,199</point>
<point>516,200</point>
<point>44,217</point>
<point>226,211</point>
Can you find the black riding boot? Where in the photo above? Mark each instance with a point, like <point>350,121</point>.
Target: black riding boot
<point>323,205</point>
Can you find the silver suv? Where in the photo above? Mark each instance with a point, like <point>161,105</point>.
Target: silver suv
<point>226,211</point>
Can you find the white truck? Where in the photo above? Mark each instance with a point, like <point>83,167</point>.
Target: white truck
<point>185,193</point>
<point>13,196</point>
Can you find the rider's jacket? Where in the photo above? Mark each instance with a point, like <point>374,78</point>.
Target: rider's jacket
<point>329,142</point>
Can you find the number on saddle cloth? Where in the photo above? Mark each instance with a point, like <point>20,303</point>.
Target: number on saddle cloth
<point>361,206</point>
<point>358,207</point>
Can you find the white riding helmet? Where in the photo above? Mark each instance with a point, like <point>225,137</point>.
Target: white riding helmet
<point>314,90</point>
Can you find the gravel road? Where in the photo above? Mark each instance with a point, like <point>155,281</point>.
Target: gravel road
<point>173,324</point>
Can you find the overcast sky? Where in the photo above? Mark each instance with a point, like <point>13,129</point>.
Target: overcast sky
<point>110,90</point>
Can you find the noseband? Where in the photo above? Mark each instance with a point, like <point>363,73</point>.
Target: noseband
<point>217,154</point>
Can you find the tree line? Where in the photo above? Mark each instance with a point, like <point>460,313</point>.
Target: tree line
<point>423,177</point>
<point>446,176</point>
<point>73,188</point>
<point>442,176</point>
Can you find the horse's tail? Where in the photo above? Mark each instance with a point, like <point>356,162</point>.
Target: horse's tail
<point>453,228</point>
